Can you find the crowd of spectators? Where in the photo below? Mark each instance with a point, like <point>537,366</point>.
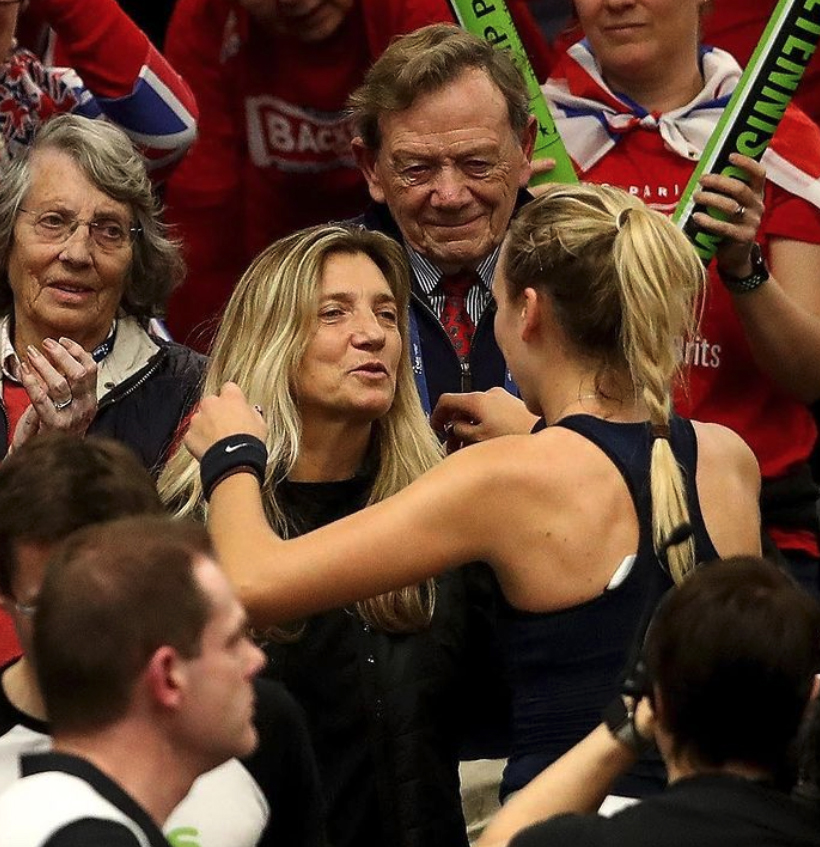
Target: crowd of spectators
<point>289,254</point>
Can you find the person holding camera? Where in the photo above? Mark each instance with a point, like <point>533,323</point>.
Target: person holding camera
<point>731,658</point>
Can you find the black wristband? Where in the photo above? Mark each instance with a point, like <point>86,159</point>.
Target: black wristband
<point>619,717</point>
<point>224,459</point>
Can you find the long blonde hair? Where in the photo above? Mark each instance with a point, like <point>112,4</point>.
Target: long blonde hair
<point>267,326</point>
<point>624,283</point>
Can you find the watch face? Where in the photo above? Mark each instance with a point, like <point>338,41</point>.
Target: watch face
<point>757,259</point>
<point>759,274</point>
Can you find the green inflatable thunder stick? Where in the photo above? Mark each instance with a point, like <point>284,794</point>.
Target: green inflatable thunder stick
<point>755,108</point>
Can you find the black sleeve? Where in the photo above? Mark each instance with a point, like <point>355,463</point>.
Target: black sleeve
<point>484,692</point>
<point>93,832</point>
<point>575,830</point>
<point>284,767</point>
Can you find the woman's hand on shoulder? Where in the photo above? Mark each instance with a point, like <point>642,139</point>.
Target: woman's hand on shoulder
<point>480,415</point>
<point>221,415</point>
<point>539,168</point>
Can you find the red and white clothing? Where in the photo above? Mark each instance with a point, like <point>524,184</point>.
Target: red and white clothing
<point>613,141</point>
<point>273,154</point>
<point>103,67</point>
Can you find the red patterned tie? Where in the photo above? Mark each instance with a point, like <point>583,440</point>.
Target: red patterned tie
<point>455,318</point>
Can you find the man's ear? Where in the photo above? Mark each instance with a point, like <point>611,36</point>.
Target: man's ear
<point>366,160</point>
<point>166,677</point>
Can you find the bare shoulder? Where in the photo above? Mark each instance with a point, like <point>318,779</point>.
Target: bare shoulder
<point>511,472</point>
<point>506,459</point>
<point>728,483</point>
<point>520,457</point>
<point>723,450</point>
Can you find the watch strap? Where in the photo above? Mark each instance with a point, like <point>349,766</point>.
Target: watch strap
<point>743,285</point>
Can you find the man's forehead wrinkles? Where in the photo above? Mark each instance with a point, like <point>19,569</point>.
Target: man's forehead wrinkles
<point>439,149</point>
<point>462,135</point>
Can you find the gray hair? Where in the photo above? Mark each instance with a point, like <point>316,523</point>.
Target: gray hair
<point>112,164</point>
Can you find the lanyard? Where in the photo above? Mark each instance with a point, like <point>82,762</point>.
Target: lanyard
<point>101,351</point>
<point>417,362</point>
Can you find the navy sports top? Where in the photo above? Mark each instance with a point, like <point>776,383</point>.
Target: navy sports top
<point>566,665</point>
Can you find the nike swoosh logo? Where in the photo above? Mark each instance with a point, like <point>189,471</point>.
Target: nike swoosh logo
<point>233,447</point>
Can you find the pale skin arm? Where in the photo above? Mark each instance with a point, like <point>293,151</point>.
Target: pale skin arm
<point>781,318</point>
<point>480,504</point>
<point>731,499</point>
<point>359,556</point>
<point>61,369</point>
<point>577,783</point>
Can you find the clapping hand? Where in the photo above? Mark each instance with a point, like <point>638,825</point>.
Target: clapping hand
<point>61,382</point>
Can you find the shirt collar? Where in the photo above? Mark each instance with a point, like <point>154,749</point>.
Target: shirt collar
<point>9,363</point>
<point>429,275</point>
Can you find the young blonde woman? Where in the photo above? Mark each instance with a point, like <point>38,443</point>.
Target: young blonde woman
<point>314,335</point>
<point>635,103</point>
<point>594,292</point>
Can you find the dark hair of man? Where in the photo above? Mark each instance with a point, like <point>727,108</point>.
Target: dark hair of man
<point>425,61</point>
<point>733,653</point>
<point>113,594</point>
<point>58,483</point>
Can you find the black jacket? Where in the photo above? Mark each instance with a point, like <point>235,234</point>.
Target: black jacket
<point>388,712</point>
<point>709,810</point>
<point>145,410</point>
<point>442,367</point>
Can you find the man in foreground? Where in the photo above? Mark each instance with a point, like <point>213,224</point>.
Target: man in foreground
<point>146,673</point>
<point>731,656</point>
<point>54,486</point>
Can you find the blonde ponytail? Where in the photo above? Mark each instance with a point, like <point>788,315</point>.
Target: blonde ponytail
<point>624,284</point>
<point>660,279</point>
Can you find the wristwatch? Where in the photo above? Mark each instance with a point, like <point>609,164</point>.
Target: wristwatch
<point>619,717</point>
<point>743,285</point>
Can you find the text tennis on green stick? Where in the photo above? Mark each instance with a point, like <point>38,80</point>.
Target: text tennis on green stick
<point>754,111</point>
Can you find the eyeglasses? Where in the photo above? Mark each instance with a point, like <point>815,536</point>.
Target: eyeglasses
<point>108,234</point>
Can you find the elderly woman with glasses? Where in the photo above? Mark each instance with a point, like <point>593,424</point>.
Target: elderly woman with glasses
<point>84,266</point>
